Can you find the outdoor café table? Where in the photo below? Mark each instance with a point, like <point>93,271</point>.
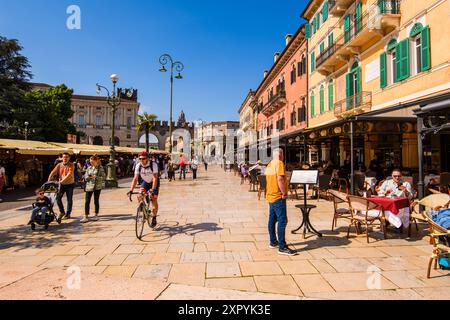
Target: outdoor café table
<point>306,223</point>
<point>396,210</point>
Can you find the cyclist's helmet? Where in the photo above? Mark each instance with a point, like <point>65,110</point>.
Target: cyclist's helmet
<point>144,154</point>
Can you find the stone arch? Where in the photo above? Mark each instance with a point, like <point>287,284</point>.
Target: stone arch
<point>154,141</point>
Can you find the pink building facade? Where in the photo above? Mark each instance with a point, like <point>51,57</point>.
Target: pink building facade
<point>282,98</point>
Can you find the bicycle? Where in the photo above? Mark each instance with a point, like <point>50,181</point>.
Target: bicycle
<point>144,211</point>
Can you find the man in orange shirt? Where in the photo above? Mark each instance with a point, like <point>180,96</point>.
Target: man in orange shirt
<point>66,174</point>
<point>276,195</point>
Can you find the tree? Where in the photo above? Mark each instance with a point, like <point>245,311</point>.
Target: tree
<point>146,123</point>
<point>14,79</point>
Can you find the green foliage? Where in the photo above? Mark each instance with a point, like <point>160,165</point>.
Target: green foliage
<point>14,77</point>
<point>146,123</point>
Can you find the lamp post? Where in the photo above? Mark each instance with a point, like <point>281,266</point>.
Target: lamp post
<point>114,101</point>
<point>25,131</point>
<point>179,67</point>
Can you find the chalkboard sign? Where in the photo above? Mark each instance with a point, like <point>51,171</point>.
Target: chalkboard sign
<point>305,177</point>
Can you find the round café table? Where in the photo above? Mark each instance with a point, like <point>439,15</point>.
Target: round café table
<point>396,210</point>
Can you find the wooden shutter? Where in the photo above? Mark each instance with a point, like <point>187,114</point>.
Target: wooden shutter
<point>313,61</point>
<point>358,17</point>
<point>349,90</point>
<point>322,47</point>
<point>403,60</point>
<point>358,87</point>
<point>312,105</point>
<point>325,11</point>
<point>347,28</point>
<point>330,40</point>
<point>322,100</point>
<point>307,31</point>
<point>383,70</point>
<point>330,95</point>
<point>426,52</point>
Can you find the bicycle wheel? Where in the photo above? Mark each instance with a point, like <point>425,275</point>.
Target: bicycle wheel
<point>140,221</point>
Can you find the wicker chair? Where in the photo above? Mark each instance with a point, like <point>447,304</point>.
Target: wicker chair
<point>367,212</point>
<point>431,202</point>
<point>439,249</point>
<point>339,199</point>
<point>261,185</point>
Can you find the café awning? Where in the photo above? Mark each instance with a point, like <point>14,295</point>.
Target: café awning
<point>83,149</point>
<point>28,147</point>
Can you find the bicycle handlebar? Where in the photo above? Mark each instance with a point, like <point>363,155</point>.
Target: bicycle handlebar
<point>130,194</point>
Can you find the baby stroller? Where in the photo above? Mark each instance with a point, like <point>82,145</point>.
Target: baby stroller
<point>51,190</point>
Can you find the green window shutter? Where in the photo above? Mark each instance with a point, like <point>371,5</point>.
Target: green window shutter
<point>312,106</point>
<point>313,62</point>
<point>381,5</point>
<point>313,22</point>
<point>330,96</point>
<point>330,39</point>
<point>322,47</point>
<point>322,100</point>
<point>325,11</point>
<point>359,17</point>
<point>347,28</point>
<point>318,21</point>
<point>403,60</point>
<point>358,87</point>
<point>383,73</point>
<point>398,55</point>
<point>307,31</point>
<point>426,52</point>
<point>349,90</point>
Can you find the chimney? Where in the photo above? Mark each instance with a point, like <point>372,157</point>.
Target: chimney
<point>266,72</point>
<point>276,56</point>
<point>288,39</point>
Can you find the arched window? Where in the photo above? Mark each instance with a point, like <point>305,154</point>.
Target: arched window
<point>420,48</point>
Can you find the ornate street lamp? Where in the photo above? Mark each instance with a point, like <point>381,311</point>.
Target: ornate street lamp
<point>179,67</point>
<point>25,130</point>
<point>114,101</point>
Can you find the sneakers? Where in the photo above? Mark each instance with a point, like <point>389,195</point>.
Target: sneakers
<point>33,226</point>
<point>61,216</point>
<point>85,219</point>
<point>95,218</point>
<point>153,222</point>
<point>66,217</point>
<point>287,252</point>
<point>273,245</point>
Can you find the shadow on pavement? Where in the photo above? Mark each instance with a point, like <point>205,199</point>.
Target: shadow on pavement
<point>168,229</point>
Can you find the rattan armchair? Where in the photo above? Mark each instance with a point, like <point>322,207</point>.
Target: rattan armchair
<point>367,212</point>
<point>431,202</point>
<point>439,249</point>
<point>341,206</point>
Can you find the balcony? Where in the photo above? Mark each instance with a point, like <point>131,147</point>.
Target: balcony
<point>389,15</point>
<point>337,8</point>
<point>275,103</point>
<point>327,61</point>
<point>354,105</point>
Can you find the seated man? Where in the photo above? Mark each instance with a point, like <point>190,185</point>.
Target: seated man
<point>396,187</point>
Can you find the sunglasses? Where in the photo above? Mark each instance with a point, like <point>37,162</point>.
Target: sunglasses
<point>143,158</point>
<point>397,176</point>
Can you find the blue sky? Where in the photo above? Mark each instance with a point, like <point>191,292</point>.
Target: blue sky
<point>224,45</point>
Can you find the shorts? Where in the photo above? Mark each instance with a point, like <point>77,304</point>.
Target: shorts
<point>146,187</point>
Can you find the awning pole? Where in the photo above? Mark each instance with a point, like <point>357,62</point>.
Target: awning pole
<point>352,160</point>
<point>420,184</point>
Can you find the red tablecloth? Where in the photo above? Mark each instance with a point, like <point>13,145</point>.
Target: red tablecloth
<point>392,205</point>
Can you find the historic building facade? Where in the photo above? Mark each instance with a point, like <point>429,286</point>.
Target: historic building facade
<point>247,134</point>
<point>281,98</point>
<point>371,63</point>
<point>93,117</point>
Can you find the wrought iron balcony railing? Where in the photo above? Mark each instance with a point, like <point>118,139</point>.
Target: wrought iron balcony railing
<point>356,104</point>
<point>275,103</point>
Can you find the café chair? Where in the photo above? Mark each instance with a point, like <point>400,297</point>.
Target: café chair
<point>292,187</point>
<point>432,202</point>
<point>367,212</point>
<point>439,249</point>
<point>323,186</point>
<point>341,206</point>
<point>253,176</point>
<point>261,185</point>
<point>444,182</point>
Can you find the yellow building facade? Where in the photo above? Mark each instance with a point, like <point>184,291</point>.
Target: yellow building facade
<point>371,62</point>
<point>247,134</point>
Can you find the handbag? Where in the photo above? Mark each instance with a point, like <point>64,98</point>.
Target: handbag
<point>90,187</point>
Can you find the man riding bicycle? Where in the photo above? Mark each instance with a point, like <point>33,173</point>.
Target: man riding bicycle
<point>147,170</point>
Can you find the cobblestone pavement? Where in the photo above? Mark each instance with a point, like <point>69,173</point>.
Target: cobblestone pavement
<point>211,243</point>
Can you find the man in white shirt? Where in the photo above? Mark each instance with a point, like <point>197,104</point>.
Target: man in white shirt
<point>396,187</point>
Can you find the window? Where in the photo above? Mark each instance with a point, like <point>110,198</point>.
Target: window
<point>302,111</point>
<point>99,108</point>
<point>330,96</point>
<point>293,117</point>
<point>98,121</point>
<point>299,68</point>
<point>129,122</point>
<point>304,64</point>
<point>312,102</point>
<point>353,86</point>
<point>420,48</point>
<point>128,136</point>
<point>322,47</point>
<point>313,62</point>
<point>81,120</point>
<point>322,99</point>
<point>393,64</point>
<point>293,74</point>
<point>417,42</point>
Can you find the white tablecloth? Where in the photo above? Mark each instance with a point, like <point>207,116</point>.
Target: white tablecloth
<point>400,219</point>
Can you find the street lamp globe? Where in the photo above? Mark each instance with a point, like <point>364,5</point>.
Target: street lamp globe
<point>26,123</point>
<point>114,78</point>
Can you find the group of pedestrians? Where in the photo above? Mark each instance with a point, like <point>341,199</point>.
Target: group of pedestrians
<point>64,173</point>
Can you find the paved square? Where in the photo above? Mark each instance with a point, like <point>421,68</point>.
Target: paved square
<point>211,241</point>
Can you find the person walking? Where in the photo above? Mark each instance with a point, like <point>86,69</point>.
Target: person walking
<point>166,168</point>
<point>182,163</point>
<point>66,174</point>
<point>276,195</point>
<point>2,179</point>
<point>194,167</point>
<point>95,181</point>
<point>205,163</point>
<point>171,170</point>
